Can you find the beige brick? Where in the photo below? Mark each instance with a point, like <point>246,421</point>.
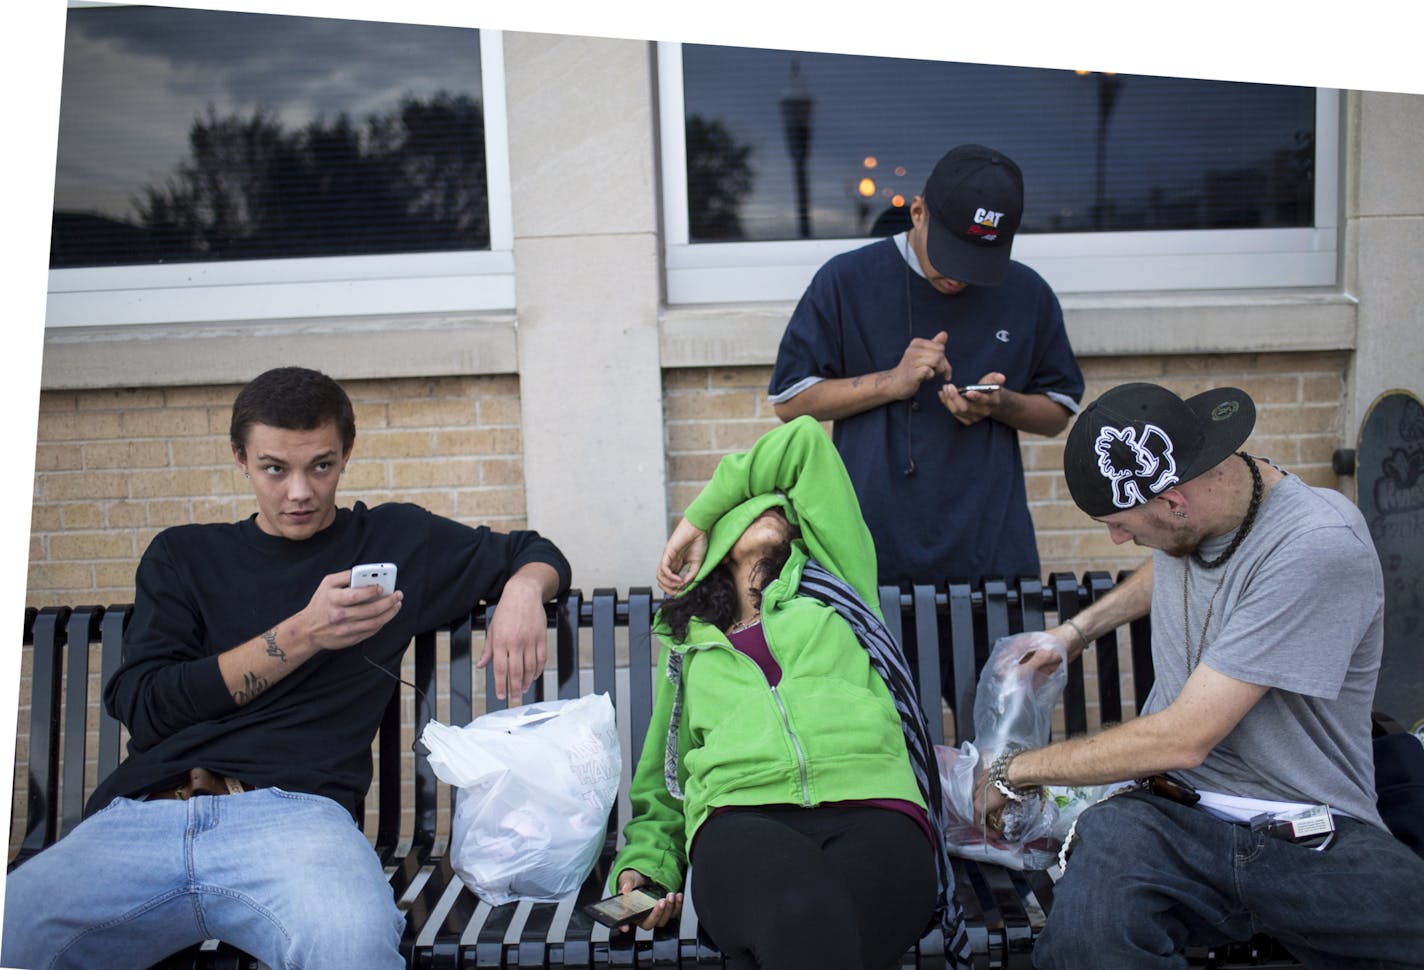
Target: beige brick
<point>126,454</point>
<point>493,411</point>
<point>1322,388</point>
<point>438,502</point>
<point>365,474</point>
<point>692,468</point>
<point>442,413</point>
<point>46,518</point>
<point>724,404</point>
<point>758,377</point>
<point>1302,419</point>
<point>205,452</point>
<point>165,512</point>
<point>116,576</point>
<point>679,498</point>
<point>425,474</point>
<point>79,427</point>
<point>165,422</point>
<point>69,486</point>
<point>58,401</point>
<point>209,397</point>
<point>489,502</point>
<point>89,546</point>
<point>171,482</point>
<point>495,385</point>
<point>122,515</point>
<point>214,510</point>
<point>37,549</point>
<point>53,457</point>
<point>82,515</point>
<point>685,379</point>
<point>369,416</point>
<point>478,441</point>
<point>60,576</point>
<point>396,444</point>
<point>497,471</point>
<point>739,435</point>
<point>120,399</point>
<point>1317,449</point>
<point>689,436</point>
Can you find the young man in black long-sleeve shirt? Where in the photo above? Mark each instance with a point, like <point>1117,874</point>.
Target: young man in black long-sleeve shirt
<point>254,670</point>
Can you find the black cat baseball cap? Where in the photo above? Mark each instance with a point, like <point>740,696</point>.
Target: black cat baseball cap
<point>974,200</point>
<point>1138,440</point>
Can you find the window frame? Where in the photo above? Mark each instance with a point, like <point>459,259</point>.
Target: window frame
<point>322,286</point>
<point>1077,262</point>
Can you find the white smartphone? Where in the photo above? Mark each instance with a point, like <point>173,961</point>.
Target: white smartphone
<point>382,574</point>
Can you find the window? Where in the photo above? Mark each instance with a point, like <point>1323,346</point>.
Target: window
<point>776,160</point>
<point>215,165</point>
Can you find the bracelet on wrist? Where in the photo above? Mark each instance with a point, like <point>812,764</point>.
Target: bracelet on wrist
<point>999,775</point>
<point>1078,630</point>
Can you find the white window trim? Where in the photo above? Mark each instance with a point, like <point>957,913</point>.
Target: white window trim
<point>333,286</point>
<point>1081,262</point>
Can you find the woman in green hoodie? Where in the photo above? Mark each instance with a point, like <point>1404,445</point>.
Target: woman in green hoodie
<point>785,777</point>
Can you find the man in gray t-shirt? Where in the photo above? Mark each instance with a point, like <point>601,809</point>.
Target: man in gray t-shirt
<point>1267,605</point>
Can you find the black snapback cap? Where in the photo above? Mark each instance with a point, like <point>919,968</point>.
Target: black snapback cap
<point>1138,440</point>
<point>974,200</point>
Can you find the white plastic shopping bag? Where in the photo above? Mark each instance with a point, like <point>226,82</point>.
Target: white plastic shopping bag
<point>534,786</point>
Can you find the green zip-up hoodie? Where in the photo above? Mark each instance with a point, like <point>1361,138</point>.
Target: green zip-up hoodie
<point>829,731</point>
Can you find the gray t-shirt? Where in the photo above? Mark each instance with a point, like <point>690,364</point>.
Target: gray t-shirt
<point>1300,610</point>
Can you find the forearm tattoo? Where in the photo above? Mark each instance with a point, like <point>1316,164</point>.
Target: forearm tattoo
<point>252,685</point>
<point>272,649</point>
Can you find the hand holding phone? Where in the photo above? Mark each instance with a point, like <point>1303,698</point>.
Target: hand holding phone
<point>625,908</point>
<point>979,387</point>
<point>382,574</point>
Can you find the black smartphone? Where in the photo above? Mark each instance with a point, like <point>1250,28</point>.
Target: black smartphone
<point>625,908</point>
<point>979,387</point>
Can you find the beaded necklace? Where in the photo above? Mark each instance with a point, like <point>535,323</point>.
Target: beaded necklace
<point>1257,488</point>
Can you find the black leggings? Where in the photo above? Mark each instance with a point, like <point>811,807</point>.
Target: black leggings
<point>785,888</point>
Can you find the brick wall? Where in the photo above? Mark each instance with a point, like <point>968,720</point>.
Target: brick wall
<point>711,411</point>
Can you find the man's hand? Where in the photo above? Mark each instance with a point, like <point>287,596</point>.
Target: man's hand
<point>667,909</point>
<point>335,618</point>
<point>989,802</point>
<point>971,407</point>
<point>338,616</point>
<point>517,638</point>
<point>682,557</point>
<point>923,360</point>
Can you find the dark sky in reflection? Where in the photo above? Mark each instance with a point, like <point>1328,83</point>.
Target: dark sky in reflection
<point>1163,132</point>
<point>136,77</point>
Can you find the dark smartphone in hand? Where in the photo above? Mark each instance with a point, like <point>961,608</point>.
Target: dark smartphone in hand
<point>625,908</point>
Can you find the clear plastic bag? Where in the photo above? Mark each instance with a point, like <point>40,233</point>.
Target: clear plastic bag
<point>534,786</point>
<point>1013,704</point>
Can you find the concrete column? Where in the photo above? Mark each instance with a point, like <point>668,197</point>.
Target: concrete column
<point>582,129</point>
<point>1385,243</point>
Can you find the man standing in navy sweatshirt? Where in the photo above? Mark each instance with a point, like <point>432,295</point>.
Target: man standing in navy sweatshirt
<point>253,681</point>
<point>886,342</point>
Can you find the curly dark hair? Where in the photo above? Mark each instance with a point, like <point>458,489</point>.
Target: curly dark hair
<point>716,599</point>
<point>294,399</point>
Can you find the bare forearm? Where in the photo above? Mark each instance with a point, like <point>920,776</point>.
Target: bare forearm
<point>1033,413</point>
<point>1138,748</point>
<point>250,668</point>
<point>837,398</point>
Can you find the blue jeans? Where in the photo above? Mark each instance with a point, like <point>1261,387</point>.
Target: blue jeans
<point>287,877</point>
<point>1148,877</point>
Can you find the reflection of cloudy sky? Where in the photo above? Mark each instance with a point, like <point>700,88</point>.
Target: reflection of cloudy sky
<point>1163,134</point>
<point>135,78</point>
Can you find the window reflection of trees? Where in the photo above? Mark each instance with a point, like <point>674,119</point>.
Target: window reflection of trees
<point>409,180</point>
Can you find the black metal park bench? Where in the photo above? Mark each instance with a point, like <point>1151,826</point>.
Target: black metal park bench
<point>602,643</point>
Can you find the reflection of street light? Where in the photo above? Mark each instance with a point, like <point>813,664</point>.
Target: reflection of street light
<point>1108,85</point>
<point>796,123</point>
